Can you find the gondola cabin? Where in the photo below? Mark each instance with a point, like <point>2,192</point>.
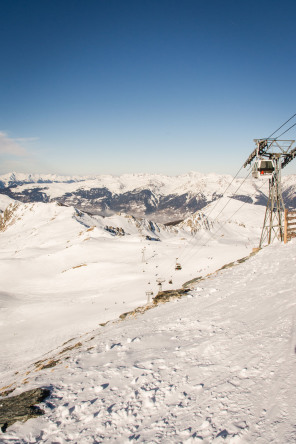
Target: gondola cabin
<point>263,167</point>
<point>178,266</point>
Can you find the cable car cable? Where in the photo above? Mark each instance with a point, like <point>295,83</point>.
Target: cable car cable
<point>227,220</point>
<point>264,183</point>
<point>232,197</point>
<point>226,189</point>
<point>242,183</point>
<point>286,131</point>
<point>228,186</point>
<point>281,127</point>
<point>186,249</point>
<point>227,203</point>
<point>243,165</point>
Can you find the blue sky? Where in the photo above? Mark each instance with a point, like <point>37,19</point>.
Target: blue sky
<point>159,86</point>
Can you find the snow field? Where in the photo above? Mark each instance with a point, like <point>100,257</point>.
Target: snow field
<point>5,201</point>
<point>217,366</point>
<point>62,274</point>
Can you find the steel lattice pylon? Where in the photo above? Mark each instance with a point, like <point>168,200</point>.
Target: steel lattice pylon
<point>273,226</point>
<point>279,153</point>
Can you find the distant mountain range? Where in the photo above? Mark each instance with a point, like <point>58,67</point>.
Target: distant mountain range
<point>158,197</point>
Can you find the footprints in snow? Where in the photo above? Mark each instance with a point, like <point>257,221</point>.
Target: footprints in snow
<point>136,339</point>
<point>119,345</point>
<point>101,387</point>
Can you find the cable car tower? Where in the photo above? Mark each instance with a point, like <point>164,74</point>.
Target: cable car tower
<point>268,158</point>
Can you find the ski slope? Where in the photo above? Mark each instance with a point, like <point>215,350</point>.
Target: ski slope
<point>62,273</point>
<point>217,366</point>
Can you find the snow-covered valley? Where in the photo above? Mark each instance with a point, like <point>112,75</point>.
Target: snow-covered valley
<point>153,196</point>
<point>63,272</point>
<point>213,366</point>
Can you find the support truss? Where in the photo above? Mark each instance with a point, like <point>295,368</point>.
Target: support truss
<point>281,153</point>
<point>273,226</point>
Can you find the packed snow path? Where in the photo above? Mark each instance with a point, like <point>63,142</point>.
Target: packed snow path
<point>217,366</point>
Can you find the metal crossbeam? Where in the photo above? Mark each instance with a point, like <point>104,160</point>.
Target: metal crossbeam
<point>288,158</point>
<point>269,148</point>
<point>262,145</point>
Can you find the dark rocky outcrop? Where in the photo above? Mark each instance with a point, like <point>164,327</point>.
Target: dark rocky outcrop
<point>21,407</point>
<point>167,295</point>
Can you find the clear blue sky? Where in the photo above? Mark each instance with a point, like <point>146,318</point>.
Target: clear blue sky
<point>160,86</point>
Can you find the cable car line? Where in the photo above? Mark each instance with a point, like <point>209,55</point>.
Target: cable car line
<point>232,197</point>
<point>253,195</point>
<point>229,200</point>
<point>187,250</point>
<point>226,189</point>
<point>243,164</point>
<point>257,189</point>
<point>285,131</point>
<point>228,186</point>
<point>215,219</point>
<point>214,206</point>
<point>281,127</point>
<point>213,235</point>
<point>227,220</point>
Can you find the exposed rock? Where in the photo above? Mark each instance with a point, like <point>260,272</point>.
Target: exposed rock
<point>7,216</point>
<point>71,347</point>
<point>190,283</point>
<point>156,239</point>
<point>21,407</point>
<point>138,310</point>
<point>6,390</point>
<point>49,364</point>
<point>173,223</point>
<point>165,296</point>
<point>116,231</point>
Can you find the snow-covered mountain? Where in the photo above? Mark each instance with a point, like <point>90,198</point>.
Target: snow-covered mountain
<point>13,179</point>
<point>158,197</point>
<point>216,366</point>
<point>89,269</point>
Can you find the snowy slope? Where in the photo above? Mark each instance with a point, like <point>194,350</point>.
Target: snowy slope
<point>235,211</point>
<point>5,201</point>
<point>217,366</point>
<point>62,272</point>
